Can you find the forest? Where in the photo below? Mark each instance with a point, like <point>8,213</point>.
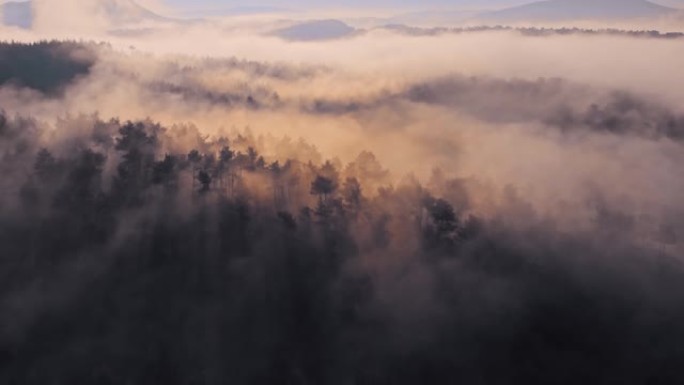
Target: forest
<point>45,66</point>
<point>140,252</point>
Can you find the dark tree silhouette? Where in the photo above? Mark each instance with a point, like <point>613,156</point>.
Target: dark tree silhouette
<point>442,223</point>
<point>352,195</point>
<point>45,165</point>
<point>44,66</point>
<point>323,187</point>
<point>252,157</point>
<point>225,157</point>
<point>205,180</point>
<point>134,172</point>
<point>165,172</point>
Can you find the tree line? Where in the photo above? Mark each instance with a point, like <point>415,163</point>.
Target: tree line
<point>136,253</point>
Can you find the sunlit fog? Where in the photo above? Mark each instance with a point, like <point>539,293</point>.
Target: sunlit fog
<point>364,192</point>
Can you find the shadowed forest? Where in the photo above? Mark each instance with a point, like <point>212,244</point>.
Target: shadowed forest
<point>135,251</point>
<point>44,66</point>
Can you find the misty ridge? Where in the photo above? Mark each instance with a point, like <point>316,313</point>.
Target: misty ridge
<point>49,67</point>
<point>189,209</point>
<point>321,30</point>
<point>533,31</point>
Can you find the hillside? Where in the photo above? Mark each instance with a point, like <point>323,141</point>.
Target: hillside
<point>560,10</point>
<point>316,30</point>
<point>119,12</point>
<point>17,14</point>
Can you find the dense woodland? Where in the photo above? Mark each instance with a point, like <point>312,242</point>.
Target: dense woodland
<point>126,262</point>
<point>138,253</point>
<point>46,66</point>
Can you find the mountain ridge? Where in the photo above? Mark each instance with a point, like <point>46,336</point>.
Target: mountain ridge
<point>21,13</point>
<point>316,30</point>
<point>563,10</point>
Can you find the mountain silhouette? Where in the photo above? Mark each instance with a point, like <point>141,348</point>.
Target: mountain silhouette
<point>118,12</point>
<point>561,10</point>
<point>316,30</point>
<point>17,14</point>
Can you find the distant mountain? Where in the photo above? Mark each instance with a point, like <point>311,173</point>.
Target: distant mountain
<point>17,14</point>
<point>316,30</point>
<point>562,10</point>
<point>119,12</point>
<point>128,11</point>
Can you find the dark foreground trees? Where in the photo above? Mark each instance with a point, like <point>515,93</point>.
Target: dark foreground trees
<point>125,263</point>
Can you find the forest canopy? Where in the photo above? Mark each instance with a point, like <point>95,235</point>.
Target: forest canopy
<point>470,229</point>
<point>47,66</point>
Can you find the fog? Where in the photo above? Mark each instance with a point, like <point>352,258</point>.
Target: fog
<point>204,202</point>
